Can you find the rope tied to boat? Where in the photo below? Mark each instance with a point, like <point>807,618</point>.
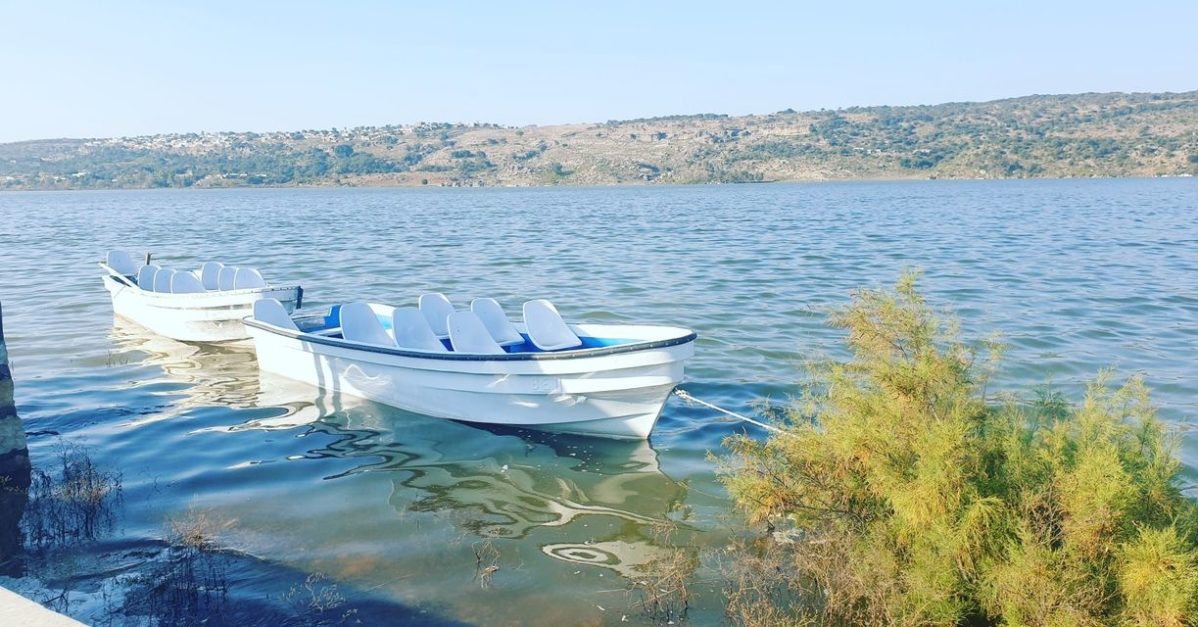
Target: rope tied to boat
<point>686,396</point>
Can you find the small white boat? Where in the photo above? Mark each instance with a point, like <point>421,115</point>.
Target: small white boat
<point>205,305</point>
<point>476,366</point>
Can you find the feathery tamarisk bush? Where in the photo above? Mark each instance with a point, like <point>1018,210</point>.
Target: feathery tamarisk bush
<point>905,496</point>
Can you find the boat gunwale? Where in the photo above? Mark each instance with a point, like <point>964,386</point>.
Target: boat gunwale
<point>600,351</point>
<point>193,296</point>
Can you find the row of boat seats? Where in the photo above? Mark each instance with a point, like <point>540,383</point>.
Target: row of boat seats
<point>154,278</point>
<point>467,330</point>
<point>546,328</point>
<point>217,276</point>
<point>412,331</point>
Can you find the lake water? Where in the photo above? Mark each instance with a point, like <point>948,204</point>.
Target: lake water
<point>402,513</point>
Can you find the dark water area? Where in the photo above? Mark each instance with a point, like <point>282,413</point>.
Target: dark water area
<point>304,498</point>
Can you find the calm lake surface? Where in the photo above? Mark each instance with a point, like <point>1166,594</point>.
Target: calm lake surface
<point>400,511</point>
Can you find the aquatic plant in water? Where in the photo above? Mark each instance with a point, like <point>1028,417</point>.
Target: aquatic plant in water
<point>900,493</point>
<point>76,501</point>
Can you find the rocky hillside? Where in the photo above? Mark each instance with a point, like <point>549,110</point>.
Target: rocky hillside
<point>1037,136</point>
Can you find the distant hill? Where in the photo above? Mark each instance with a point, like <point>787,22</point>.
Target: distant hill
<point>1082,135</point>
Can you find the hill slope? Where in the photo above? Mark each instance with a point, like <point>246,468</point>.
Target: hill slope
<point>1036,136</point>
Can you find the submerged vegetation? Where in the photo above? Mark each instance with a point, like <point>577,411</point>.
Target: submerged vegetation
<point>661,587</point>
<point>69,564</point>
<point>900,493</point>
<point>74,501</point>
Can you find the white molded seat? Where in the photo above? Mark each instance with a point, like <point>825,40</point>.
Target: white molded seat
<point>210,274</point>
<point>162,280</point>
<point>271,311</point>
<point>546,328</point>
<point>412,331</point>
<point>122,262</point>
<point>359,324</point>
<point>436,309</point>
<point>468,334</point>
<point>145,277</point>
<point>246,278</point>
<point>185,283</point>
<point>224,280</point>
<point>501,329</point>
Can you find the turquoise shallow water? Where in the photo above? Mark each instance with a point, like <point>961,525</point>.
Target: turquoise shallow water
<point>1077,275</point>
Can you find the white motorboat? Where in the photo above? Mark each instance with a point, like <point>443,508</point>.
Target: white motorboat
<point>476,366</point>
<point>205,305</point>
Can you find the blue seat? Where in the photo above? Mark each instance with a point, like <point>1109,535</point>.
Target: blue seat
<point>145,277</point>
<point>246,278</point>
<point>224,280</point>
<point>210,274</point>
<point>162,280</point>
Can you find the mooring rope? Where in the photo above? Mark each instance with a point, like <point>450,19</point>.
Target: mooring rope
<point>684,395</point>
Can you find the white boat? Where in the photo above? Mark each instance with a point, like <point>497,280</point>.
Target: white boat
<point>205,305</point>
<point>592,379</point>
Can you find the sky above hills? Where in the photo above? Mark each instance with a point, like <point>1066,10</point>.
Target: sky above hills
<point>89,69</point>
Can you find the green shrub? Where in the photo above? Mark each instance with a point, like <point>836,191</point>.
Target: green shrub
<point>906,496</point>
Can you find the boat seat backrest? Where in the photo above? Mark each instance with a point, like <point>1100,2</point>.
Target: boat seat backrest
<point>145,277</point>
<point>271,311</point>
<point>185,283</point>
<point>546,328</point>
<point>122,262</point>
<point>501,329</point>
<point>436,309</point>
<point>412,331</point>
<point>468,334</point>
<point>210,274</point>
<point>162,280</point>
<point>360,324</point>
<point>246,278</point>
<point>224,280</point>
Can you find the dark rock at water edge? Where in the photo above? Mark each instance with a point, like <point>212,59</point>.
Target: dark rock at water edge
<point>15,470</point>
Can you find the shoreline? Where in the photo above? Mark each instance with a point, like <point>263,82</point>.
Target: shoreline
<point>630,184</point>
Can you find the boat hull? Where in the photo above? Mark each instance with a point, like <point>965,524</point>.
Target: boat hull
<point>205,317</point>
<point>612,393</point>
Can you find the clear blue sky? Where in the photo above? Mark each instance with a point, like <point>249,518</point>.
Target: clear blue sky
<point>100,69</point>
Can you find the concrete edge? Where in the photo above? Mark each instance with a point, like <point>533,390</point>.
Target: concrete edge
<point>17,610</point>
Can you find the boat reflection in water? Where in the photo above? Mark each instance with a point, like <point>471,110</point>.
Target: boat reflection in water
<point>547,481</point>
<point>209,374</point>
<point>591,501</point>
<point>499,482</point>
<point>219,375</point>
